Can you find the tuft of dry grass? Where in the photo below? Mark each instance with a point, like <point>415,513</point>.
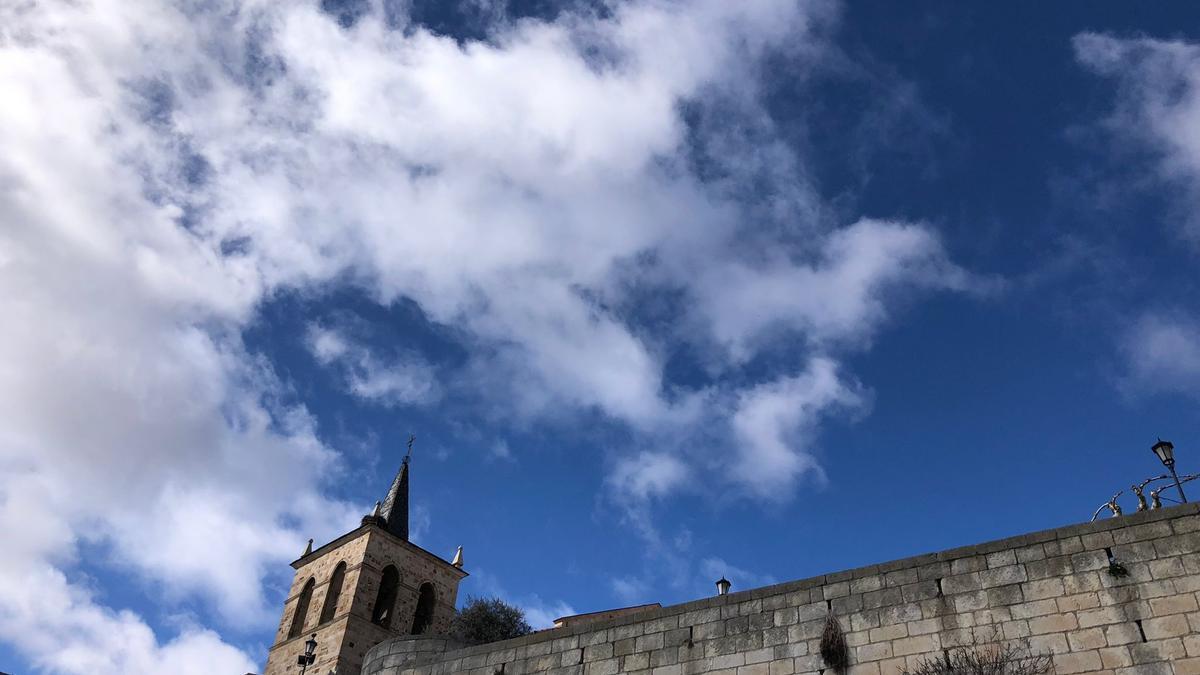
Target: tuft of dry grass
<point>833,645</point>
<point>999,659</point>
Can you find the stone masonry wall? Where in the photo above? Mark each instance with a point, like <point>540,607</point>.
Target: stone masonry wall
<point>1052,588</point>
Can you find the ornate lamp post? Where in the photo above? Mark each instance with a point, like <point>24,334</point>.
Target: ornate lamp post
<point>306,659</point>
<point>723,586</point>
<point>1166,454</point>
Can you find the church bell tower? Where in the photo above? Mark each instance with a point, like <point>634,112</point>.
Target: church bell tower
<point>362,588</point>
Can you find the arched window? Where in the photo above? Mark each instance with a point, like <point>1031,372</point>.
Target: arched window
<point>424,614</point>
<point>335,589</point>
<point>301,609</point>
<point>382,614</point>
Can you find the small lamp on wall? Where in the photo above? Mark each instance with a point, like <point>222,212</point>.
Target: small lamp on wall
<point>310,654</point>
<point>723,586</point>
<point>1165,450</point>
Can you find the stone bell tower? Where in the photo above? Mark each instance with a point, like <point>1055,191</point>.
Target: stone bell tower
<point>362,588</point>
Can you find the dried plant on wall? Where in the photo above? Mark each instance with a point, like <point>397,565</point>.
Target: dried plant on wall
<point>833,645</point>
<point>1003,659</point>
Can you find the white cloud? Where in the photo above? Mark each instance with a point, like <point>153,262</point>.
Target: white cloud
<point>167,168</point>
<point>774,424</point>
<point>1158,105</point>
<point>371,377</point>
<point>631,590</point>
<point>500,450</point>
<point>1163,354</point>
<point>67,631</point>
<point>648,475</point>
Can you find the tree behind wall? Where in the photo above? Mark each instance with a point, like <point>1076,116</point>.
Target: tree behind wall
<point>483,620</point>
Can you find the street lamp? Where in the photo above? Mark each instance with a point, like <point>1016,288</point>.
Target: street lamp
<point>723,586</point>
<point>306,659</point>
<point>1166,454</point>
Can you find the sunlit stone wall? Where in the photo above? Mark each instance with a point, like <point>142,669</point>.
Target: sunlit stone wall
<point>1052,588</point>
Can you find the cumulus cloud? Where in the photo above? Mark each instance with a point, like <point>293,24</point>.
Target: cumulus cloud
<point>1158,105</point>
<point>408,379</point>
<point>168,167</point>
<point>1163,354</point>
<point>649,474</point>
<point>774,423</point>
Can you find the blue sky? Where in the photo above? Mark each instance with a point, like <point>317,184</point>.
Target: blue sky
<point>666,291</point>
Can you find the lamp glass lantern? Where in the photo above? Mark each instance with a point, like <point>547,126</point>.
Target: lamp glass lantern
<point>310,645</point>
<point>1165,451</point>
<point>1166,454</point>
<point>723,585</point>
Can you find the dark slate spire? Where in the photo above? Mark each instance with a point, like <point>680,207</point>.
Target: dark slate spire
<point>395,506</point>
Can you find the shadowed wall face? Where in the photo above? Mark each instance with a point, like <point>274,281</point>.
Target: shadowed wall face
<point>1062,590</point>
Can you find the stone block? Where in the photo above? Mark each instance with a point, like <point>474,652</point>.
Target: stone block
<point>1030,553</point>
<point>888,633</point>
<point>1001,559</point>
<point>1002,576</point>
<point>650,642</point>
<point>966,602</point>
<point>599,652</point>
<point>782,667</point>
<point>708,631</point>
<point>1165,627</point>
<point>922,590</point>
<point>968,564</point>
<point>1054,643</point>
<point>1115,657</point>
<point>961,583</point>
<point>1005,595</point>
<point>899,578</point>
<point>1043,588</point>
<point>1015,630</point>
<point>836,590</point>
<point>664,657</point>
<point>874,651</point>
<point>1080,662</point>
<point>1026,610</point>
<point>1074,603</point>
<point>847,604</point>
<point>1087,638</point>
<point>1157,650</point>
<point>603,667</point>
<point>1100,616</point>
<point>638,661</point>
<point>1142,532</point>
<point>1187,667</point>
<point>1053,623</point>
<point>919,644</point>
<point>1176,604</point>
<point>866,584</point>
<point>864,620</point>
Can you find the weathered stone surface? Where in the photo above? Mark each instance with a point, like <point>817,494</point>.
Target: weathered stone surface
<point>1051,588</point>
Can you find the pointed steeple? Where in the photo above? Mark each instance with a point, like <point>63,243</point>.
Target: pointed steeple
<point>395,505</point>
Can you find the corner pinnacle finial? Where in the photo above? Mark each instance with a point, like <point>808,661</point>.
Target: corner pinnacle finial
<point>458,558</point>
<point>307,549</point>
